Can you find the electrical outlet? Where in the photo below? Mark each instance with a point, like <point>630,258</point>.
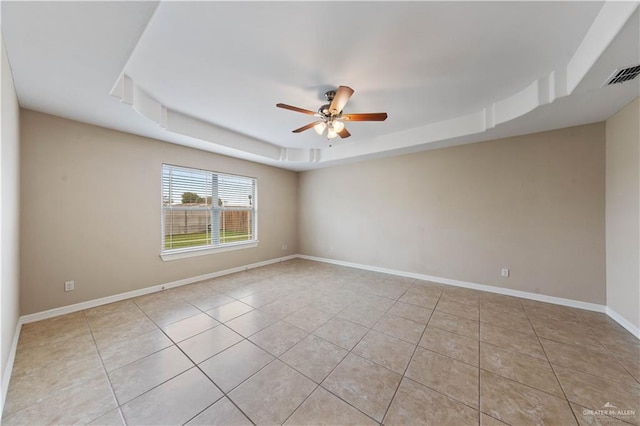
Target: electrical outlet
<point>284,247</point>
<point>505,272</point>
<point>69,285</point>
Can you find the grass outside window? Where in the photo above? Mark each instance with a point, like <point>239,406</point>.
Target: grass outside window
<point>202,238</point>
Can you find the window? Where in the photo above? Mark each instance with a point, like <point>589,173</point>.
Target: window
<point>203,210</point>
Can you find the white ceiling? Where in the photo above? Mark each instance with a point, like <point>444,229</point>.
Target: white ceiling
<point>208,74</point>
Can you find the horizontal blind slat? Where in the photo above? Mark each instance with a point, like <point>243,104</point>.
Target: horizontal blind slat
<point>206,208</point>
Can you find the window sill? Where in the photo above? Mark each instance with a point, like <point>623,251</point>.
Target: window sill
<point>193,252</point>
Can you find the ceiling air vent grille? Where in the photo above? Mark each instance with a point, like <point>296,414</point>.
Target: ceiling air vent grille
<point>623,74</point>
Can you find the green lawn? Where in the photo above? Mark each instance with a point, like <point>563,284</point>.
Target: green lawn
<point>201,238</point>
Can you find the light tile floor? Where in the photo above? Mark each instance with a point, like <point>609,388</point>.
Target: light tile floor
<point>301,342</point>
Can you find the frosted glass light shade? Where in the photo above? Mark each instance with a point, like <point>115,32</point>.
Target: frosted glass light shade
<point>319,128</point>
<point>338,126</point>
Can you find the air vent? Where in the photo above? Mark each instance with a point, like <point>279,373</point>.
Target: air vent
<point>623,74</point>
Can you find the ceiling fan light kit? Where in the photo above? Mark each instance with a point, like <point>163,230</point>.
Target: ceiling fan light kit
<point>331,115</point>
<point>319,127</point>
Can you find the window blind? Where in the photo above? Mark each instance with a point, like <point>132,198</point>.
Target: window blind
<point>201,208</point>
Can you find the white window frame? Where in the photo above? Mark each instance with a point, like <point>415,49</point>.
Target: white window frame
<point>214,246</point>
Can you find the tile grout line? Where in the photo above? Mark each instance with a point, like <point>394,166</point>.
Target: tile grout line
<point>521,353</point>
<point>439,391</point>
<point>106,373</point>
<point>224,394</point>
<point>412,355</point>
<point>336,366</point>
<point>546,359</point>
<point>265,366</point>
<point>551,365</point>
<point>174,343</point>
<point>4,415</point>
<point>444,355</point>
<point>317,385</point>
<point>369,328</point>
<point>480,369</point>
<point>607,349</point>
<point>88,326</point>
<point>637,380</point>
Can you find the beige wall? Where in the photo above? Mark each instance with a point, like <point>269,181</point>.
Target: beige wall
<point>623,212</point>
<point>9,216</point>
<point>90,200</point>
<point>533,203</point>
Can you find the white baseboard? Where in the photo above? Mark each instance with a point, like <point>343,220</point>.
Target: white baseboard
<point>499,290</point>
<point>38,316</point>
<point>8,368</point>
<point>492,289</point>
<point>141,292</point>
<point>25,319</point>
<point>623,322</point>
<point>123,296</point>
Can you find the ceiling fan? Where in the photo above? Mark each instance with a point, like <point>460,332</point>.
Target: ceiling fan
<point>331,116</point>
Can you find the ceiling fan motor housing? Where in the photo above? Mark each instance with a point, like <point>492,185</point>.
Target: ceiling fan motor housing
<point>330,95</point>
<point>324,111</point>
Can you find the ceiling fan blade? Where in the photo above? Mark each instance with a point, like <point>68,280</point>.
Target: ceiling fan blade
<point>307,127</point>
<point>344,133</point>
<point>372,116</point>
<point>293,108</point>
<point>340,99</point>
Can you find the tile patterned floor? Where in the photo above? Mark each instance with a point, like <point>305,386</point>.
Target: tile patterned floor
<point>301,342</point>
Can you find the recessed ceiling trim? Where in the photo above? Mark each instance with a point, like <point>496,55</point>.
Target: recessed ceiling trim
<point>545,90</point>
<point>542,91</point>
<point>176,122</point>
<point>517,105</point>
<point>608,22</point>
